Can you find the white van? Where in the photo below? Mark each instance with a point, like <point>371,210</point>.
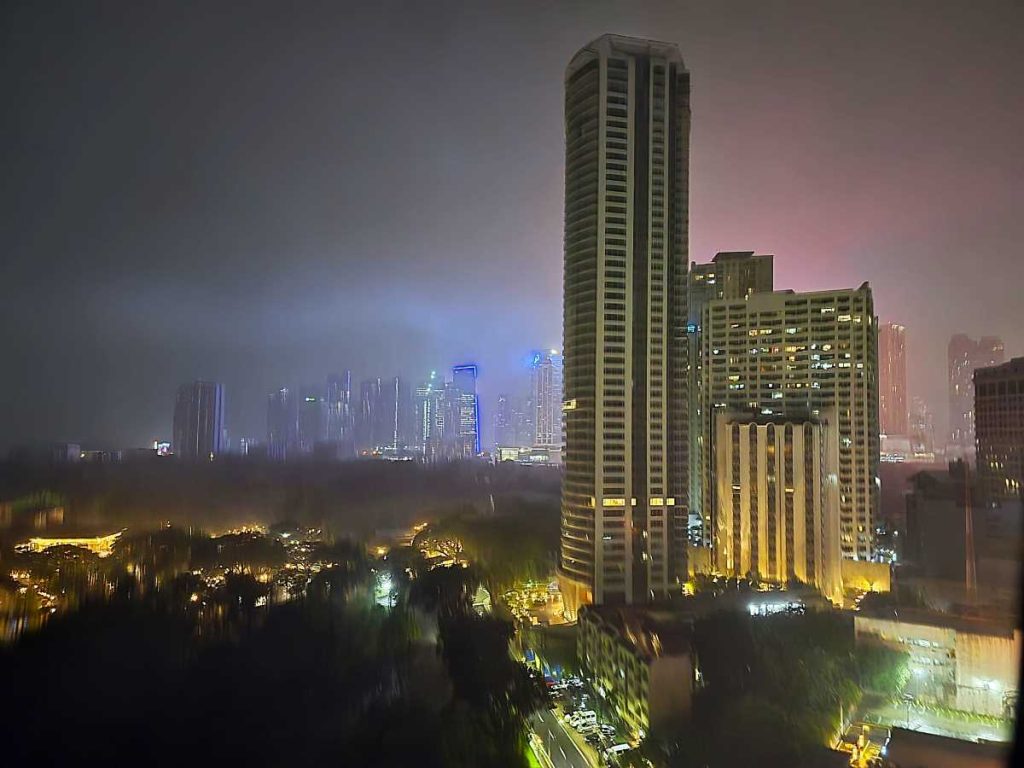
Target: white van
<point>583,719</point>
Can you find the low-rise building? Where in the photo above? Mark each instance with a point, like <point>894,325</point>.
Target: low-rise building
<point>640,663</point>
<point>967,664</point>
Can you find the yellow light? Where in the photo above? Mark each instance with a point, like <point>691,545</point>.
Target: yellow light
<point>100,545</point>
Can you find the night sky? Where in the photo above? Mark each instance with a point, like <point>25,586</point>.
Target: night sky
<point>263,193</point>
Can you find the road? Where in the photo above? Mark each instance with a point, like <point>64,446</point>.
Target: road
<point>561,749</point>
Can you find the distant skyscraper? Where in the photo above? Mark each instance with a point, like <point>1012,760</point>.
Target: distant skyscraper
<point>892,379</point>
<point>391,414</point>
<point>428,418</point>
<point>312,419</point>
<point>503,421</point>
<point>199,420</point>
<point>624,494</point>
<point>922,427</point>
<point>339,407</point>
<point>282,424</point>
<point>965,355</point>
<point>546,393</point>
<point>369,416</point>
<point>468,430</point>
<point>999,412</point>
<point>787,353</point>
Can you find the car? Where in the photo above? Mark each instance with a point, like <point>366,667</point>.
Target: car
<point>607,730</point>
<point>586,717</point>
<point>617,749</point>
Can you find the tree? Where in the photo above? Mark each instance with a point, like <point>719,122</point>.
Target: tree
<point>881,669</point>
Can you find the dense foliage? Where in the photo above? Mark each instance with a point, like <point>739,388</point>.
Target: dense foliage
<point>329,679</point>
<point>518,543</point>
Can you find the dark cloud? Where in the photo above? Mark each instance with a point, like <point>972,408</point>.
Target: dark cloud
<point>264,192</point>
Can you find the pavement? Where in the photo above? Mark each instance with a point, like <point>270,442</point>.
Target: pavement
<point>560,749</point>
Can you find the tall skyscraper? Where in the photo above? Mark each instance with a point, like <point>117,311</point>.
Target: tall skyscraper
<point>312,419</point>
<point>369,417</point>
<point>999,412</point>
<point>922,428</point>
<point>339,407</point>
<point>282,424</point>
<point>892,379</point>
<point>428,417</point>
<point>390,414</point>
<point>199,420</point>
<point>546,393</point>
<point>468,430</point>
<point>787,353</point>
<point>503,420</point>
<point>624,494</point>
<point>965,355</point>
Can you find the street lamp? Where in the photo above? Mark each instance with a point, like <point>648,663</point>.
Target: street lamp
<point>909,699</point>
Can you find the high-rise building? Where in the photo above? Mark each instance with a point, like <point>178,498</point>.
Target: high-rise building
<point>624,494</point>
<point>732,275</point>
<point>546,394</point>
<point>468,410</point>
<point>778,498</point>
<point>785,353</point>
<point>339,407</point>
<point>999,427</point>
<point>892,379</point>
<point>513,421</point>
<point>503,420</point>
<point>312,420</point>
<point>199,420</point>
<point>370,415</point>
<point>428,417</point>
<point>922,428</point>
<point>282,424</point>
<point>389,419</point>
<point>964,356</point>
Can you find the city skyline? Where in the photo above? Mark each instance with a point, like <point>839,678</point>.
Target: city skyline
<point>354,410</point>
<point>258,262</point>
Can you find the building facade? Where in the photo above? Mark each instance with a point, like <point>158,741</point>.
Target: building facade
<point>999,427</point>
<point>922,429</point>
<point>312,420</point>
<point>892,379</point>
<point>964,355</point>
<point>199,420</point>
<point>778,499</point>
<point>339,407</point>
<point>546,395</point>
<point>643,668</point>
<point>968,665</point>
<point>624,497</point>
<point>799,353</point>
<point>466,411</point>
<point>282,424</point>
<point>428,417</point>
<point>732,275</point>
